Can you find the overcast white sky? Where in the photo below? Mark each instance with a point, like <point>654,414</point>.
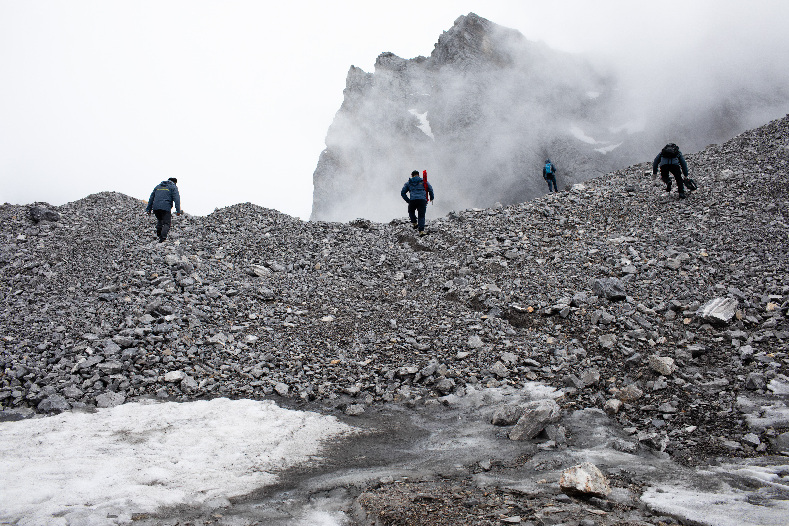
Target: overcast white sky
<point>234,97</point>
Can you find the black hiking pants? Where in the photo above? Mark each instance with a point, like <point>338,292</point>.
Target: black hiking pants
<point>676,171</point>
<point>551,182</point>
<point>163,220</point>
<point>417,206</point>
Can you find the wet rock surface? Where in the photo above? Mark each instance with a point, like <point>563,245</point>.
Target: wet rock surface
<point>251,303</point>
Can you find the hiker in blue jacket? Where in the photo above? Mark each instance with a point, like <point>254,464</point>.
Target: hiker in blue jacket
<point>549,174</point>
<point>161,202</point>
<point>670,160</point>
<point>417,190</point>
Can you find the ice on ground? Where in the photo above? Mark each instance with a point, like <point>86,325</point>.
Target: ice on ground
<point>605,149</point>
<point>721,508</point>
<point>424,123</point>
<point>778,387</point>
<point>99,468</point>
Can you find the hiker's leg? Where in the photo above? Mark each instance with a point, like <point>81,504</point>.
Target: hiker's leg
<point>677,171</point>
<point>664,174</point>
<point>159,216</point>
<point>421,208</point>
<point>167,217</point>
<point>412,210</point>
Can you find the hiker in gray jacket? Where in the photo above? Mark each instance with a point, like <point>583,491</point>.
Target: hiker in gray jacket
<point>161,202</point>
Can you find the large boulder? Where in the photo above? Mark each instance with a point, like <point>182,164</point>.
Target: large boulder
<point>536,415</point>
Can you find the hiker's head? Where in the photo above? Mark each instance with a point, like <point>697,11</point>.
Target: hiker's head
<point>173,179</point>
<point>415,173</point>
<point>547,160</point>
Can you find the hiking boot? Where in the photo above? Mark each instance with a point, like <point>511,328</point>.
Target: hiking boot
<point>161,240</point>
<point>668,188</point>
<point>682,196</point>
<point>422,233</point>
<point>414,225</point>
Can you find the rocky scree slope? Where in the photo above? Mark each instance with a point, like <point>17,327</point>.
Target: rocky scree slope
<point>248,302</point>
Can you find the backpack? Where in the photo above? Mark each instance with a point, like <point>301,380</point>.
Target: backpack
<point>670,151</point>
<point>548,169</point>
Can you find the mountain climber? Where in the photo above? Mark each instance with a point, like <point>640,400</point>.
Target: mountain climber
<point>161,202</point>
<point>417,190</point>
<point>670,160</point>
<point>549,174</point>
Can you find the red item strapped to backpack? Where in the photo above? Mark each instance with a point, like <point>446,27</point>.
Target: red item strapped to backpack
<point>424,183</point>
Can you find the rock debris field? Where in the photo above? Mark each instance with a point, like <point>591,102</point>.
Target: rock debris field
<point>668,315</point>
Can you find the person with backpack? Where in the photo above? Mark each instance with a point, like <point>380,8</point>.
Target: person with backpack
<point>419,192</point>
<point>671,161</point>
<point>161,202</point>
<point>549,174</point>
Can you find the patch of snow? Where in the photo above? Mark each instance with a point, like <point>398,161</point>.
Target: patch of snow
<point>725,507</point>
<point>592,94</point>
<point>605,149</point>
<point>778,387</point>
<point>579,134</point>
<point>99,468</point>
<point>424,123</point>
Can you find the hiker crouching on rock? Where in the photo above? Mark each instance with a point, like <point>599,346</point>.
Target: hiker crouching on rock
<point>670,160</point>
<point>161,201</point>
<point>417,190</point>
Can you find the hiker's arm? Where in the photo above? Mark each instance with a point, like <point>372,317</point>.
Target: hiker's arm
<point>403,192</point>
<point>430,189</point>
<point>150,201</point>
<point>683,164</point>
<point>655,164</point>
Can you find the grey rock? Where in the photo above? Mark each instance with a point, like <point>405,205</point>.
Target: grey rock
<point>718,311</point>
<point>354,409</point>
<point>53,403</point>
<point>611,289</point>
<point>40,213</point>
<point>110,399</point>
<point>755,381</point>
<point>781,443</point>
<point>506,415</point>
<point>536,415</point>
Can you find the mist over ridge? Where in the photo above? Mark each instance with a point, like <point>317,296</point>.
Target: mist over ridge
<point>488,106</point>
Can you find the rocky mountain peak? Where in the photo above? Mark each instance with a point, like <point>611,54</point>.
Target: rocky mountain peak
<point>472,38</point>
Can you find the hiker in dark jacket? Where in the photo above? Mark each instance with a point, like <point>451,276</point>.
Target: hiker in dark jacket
<point>670,160</point>
<point>161,202</point>
<point>417,199</point>
<point>549,174</point>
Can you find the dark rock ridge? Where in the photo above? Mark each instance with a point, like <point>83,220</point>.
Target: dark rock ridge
<point>249,302</point>
<point>484,111</point>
